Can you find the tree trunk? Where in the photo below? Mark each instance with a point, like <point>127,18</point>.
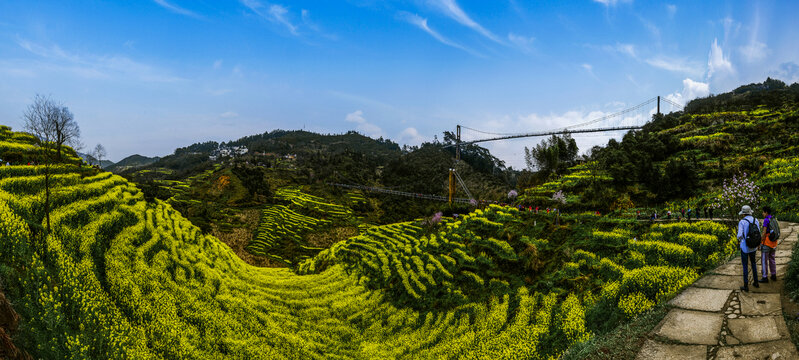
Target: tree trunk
<point>47,196</point>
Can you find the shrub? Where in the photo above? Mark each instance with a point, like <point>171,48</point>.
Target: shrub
<point>663,253</point>
<point>634,304</point>
<point>656,282</point>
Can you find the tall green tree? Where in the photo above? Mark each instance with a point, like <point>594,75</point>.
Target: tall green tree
<point>553,155</point>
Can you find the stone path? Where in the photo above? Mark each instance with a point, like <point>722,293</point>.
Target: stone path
<point>713,319</point>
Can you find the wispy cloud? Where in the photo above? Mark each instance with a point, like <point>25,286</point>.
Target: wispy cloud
<point>717,63</point>
<point>524,43</point>
<point>754,50</point>
<point>628,49</point>
<point>590,70</point>
<point>298,24</point>
<point>671,9</point>
<point>454,11</point>
<point>275,13</point>
<point>610,2</point>
<point>624,49</point>
<point>229,114</point>
<point>788,71</point>
<point>651,27</point>
<point>94,66</point>
<point>177,9</point>
<point>421,23</point>
<point>677,65</point>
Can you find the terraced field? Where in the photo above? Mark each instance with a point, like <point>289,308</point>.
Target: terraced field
<point>282,232</point>
<point>121,278</point>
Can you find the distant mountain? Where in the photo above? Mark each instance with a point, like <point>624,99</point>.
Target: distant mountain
<point>91,160</point>
<point>133,161</point>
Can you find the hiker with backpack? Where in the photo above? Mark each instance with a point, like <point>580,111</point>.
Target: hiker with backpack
<point>771,233</point>
<point>749,237</point>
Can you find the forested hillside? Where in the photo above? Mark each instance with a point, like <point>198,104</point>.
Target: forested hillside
<point>99,267</point>
<point>121,277</point>
<point>682,159</point>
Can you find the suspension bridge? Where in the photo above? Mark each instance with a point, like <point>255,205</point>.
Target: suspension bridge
<point>632,115</point>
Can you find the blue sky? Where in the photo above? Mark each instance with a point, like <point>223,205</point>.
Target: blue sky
<point>149,76</point>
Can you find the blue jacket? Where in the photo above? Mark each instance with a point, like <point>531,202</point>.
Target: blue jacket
<point>743,229</point>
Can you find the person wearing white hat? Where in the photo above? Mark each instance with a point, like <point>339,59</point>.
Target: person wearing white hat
<point>749,253</point>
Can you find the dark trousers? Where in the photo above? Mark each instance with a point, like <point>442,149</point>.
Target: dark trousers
<point>752,259</point>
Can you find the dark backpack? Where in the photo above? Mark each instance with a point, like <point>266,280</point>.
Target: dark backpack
<point>753,235</point>
<point>774,229</point>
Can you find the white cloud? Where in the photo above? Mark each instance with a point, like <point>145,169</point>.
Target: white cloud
<point>454,11</point>
<point>789,72</point>
<point>275,13</point>
<point>671,9</point>
<point>590,69</point>
<point>649,25</point>
<point>421,23</point>
<point>690,90</point>
<point>356,117</point>
<point>610,2</point>
<point>678,65</point>
<point>177,9</point>
<point>411,136</point>
<point>619,48</point>
<point>627,49</point>
<point>524,43</point>
<point>512,151</point>
<point>754,51</point>
<point>717,63</point>
<point>92,66</point>
<point>217,64</point>
<point>731,28</point>
<point>229,114</point>
<point>364,126</point>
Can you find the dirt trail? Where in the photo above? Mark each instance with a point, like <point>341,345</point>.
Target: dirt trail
<point>713,319</point>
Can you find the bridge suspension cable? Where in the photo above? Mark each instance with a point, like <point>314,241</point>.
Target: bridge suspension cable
<point>571,129</point>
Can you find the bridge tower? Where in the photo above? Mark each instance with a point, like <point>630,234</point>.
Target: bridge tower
<point>658,105</point>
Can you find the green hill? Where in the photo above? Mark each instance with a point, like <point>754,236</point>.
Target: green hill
<point>682,159</point>
<point>122,277</point>
<point>133,161</point>
<point>124,274</point>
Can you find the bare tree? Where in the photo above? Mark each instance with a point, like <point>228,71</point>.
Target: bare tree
<point>99,153</point>
<point>54,126</point>
<point>66,129</point>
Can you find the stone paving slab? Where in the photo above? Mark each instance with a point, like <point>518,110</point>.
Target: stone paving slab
<point>755,326</point>
<point>772,287</point>
<point>782,349</point>
<point>758,329</point>
<point>655,350</point>
<point>691,327</point>
<point>760,304</point>
<point>720,282</point>
<point>730,268</point>
<point>702,299</point>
